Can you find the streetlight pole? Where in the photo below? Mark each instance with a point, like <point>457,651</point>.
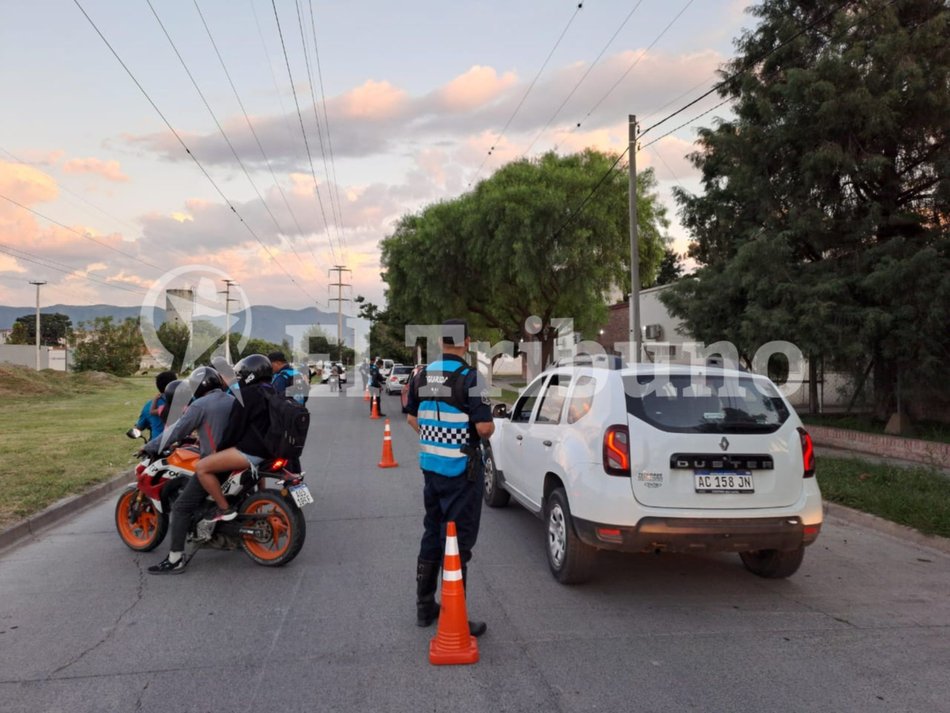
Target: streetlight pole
<point>38,322</point>
<point>634,308</point>
<point>228,284</point>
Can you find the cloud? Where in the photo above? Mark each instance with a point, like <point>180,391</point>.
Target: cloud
<point>374,102</point>
<point>478,86</point>
<point>110,170</point>
<point>26,184</point>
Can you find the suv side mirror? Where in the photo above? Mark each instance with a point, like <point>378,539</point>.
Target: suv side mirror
<point>499,411</point>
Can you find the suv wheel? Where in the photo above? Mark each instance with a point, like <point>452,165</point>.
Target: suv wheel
<point>571,560</point>
<point>495,496</point>
<point>773,564</point>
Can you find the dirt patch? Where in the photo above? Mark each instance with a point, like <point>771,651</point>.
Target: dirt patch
<point>19,381</point>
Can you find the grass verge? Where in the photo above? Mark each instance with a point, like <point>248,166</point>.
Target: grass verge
<point>61,433</point>
<point>917,497</point>
<point>924,430</point>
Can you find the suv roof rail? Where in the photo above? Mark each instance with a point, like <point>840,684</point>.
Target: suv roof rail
<point>604,361</point>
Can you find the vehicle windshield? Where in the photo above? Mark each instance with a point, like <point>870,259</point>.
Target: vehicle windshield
<point>402,369</point>
<point>693,403</point>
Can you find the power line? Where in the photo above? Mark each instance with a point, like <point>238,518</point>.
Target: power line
<point>188,151</point>
<point>62,267</point>
<point>581,80</point>
<point>686,123</point>
<point>250,126</point>
<point>534,81</point>
<point>86,236</point>
<point>313,173</point>
<point>635,63</point>
<point>334,209</point>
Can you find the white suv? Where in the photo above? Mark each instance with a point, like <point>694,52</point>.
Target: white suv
<point>646,458</point>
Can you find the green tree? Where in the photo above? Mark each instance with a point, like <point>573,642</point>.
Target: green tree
<point>104,345</point>
<point>175,337</point>
<point>524,243</point>
<point>387,332</point>
<point>671,269</point>
<point>824,216</point>
<point>55,329</point>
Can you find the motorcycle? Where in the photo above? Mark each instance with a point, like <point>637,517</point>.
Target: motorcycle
<point>270,526</point>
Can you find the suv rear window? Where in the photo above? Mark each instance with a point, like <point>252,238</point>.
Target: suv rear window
<point>685,403</point>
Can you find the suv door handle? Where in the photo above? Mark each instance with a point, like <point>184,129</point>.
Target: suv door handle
<point>547,443</point>
<point>519,438</point>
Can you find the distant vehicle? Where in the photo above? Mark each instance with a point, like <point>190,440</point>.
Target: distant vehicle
<point>696,459</point>
<point>328,372</point>
<point>387,367</point>
<point>397,378</point>
<point>405,387</point>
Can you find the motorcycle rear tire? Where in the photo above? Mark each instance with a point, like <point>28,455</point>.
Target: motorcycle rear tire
<point>147,531</point>
<point>286,524</point>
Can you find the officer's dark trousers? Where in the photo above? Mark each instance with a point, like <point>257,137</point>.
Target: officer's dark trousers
<point>450,499</point>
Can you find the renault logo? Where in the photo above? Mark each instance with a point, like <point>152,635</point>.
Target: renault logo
<point>724,443</point>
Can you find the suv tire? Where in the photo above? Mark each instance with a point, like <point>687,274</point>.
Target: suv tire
<point>773,564</point>
<point>571,560</point>
<point>495,495</point>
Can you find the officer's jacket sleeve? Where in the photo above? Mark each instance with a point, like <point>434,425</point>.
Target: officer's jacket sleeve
<point>478,404</point>
<point>412,398</point>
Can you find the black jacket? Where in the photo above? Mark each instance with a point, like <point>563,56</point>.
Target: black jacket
<point>250,420</point>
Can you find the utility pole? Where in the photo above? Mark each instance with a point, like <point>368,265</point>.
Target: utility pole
<point>634,308</point>
<point>228,284</point>
<point>339,299</point>
<point>38,322</point>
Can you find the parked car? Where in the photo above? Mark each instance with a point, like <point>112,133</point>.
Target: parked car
<point>397,378</point>
<point>696,459</point>
<point>387,367</point>
<point>328,371</point>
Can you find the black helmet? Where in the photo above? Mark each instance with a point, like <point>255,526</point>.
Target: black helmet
<point>204,379</point>
<point>254,369</point>
<point>169,394</point>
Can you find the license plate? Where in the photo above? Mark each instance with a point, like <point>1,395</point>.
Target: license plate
<point>738,481</point>
<point>301,495</point>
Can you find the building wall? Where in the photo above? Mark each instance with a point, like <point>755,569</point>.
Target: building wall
<point>25,355</point>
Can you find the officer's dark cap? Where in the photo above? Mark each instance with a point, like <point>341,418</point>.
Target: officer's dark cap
<point>454,332</point>
<point>277,356</point>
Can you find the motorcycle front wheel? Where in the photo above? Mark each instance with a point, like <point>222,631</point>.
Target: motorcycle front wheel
<point>283,529</point>
<point>141,527</point>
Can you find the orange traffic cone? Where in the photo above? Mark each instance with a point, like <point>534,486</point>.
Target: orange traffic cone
<point>387,460</point>
<point>366,394</point>
<point>375,411</point>
<point>452,643</point>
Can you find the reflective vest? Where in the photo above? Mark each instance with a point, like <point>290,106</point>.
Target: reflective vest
<point>443,425</point>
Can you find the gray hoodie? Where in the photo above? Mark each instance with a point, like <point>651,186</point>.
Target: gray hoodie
<point>209,416</point>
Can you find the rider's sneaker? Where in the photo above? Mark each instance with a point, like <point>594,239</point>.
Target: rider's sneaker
<point>219,515</point>
<point>168,567</point>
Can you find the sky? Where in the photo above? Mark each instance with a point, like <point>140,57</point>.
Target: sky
<point>99,198</point>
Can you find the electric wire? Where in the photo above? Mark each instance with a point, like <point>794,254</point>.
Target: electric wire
<point>177,136</point>
<point>63,267</point>
<point>334,209</point>
<point>534,81</point>
<point>227,140</point>
<point>580,81</point>
<point>85,236</point>
<point>250,126</point>
<point>635,62</point>
<point>303,131</point>
<point>326,123</point>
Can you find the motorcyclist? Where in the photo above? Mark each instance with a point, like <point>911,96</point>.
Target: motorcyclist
<point>209,414</point>
<point>151,415</point>
<point>286,379</point>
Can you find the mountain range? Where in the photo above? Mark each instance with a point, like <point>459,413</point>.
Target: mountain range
<point>267,322</point>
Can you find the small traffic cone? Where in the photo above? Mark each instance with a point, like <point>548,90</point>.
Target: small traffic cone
<point>366,394</point>
<point>452,643</point>
<point>387,460</point>
<point>375,411</point>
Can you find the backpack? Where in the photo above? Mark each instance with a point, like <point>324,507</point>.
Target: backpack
<point>289,423</point>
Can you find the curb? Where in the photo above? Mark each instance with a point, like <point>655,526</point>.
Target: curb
<point>879,524</point>
<point>60,510</point>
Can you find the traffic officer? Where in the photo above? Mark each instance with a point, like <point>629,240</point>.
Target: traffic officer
<point>446,407</point>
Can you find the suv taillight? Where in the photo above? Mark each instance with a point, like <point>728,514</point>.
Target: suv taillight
<point>617,451</point>
<point>808,453</point>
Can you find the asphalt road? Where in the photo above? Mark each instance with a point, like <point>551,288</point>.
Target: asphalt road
<point>862,627</point>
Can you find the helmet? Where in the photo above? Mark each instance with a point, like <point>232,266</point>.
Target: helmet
<point>169,394</point>
<point>253,369</point>
<point>204,379</point>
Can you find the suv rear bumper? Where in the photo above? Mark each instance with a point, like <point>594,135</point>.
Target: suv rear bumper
<point>670,534</point>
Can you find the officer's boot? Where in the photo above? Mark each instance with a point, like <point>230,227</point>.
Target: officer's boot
<point>427,581</point>
<point>475,628</point>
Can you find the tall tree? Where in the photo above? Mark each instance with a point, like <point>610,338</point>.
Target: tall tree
<point>826,206</point>
<point>105,345</point>
<point>55,329</point>
<point>521,244</point>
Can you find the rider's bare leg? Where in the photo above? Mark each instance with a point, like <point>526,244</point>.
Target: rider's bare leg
<point>220,462</point>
